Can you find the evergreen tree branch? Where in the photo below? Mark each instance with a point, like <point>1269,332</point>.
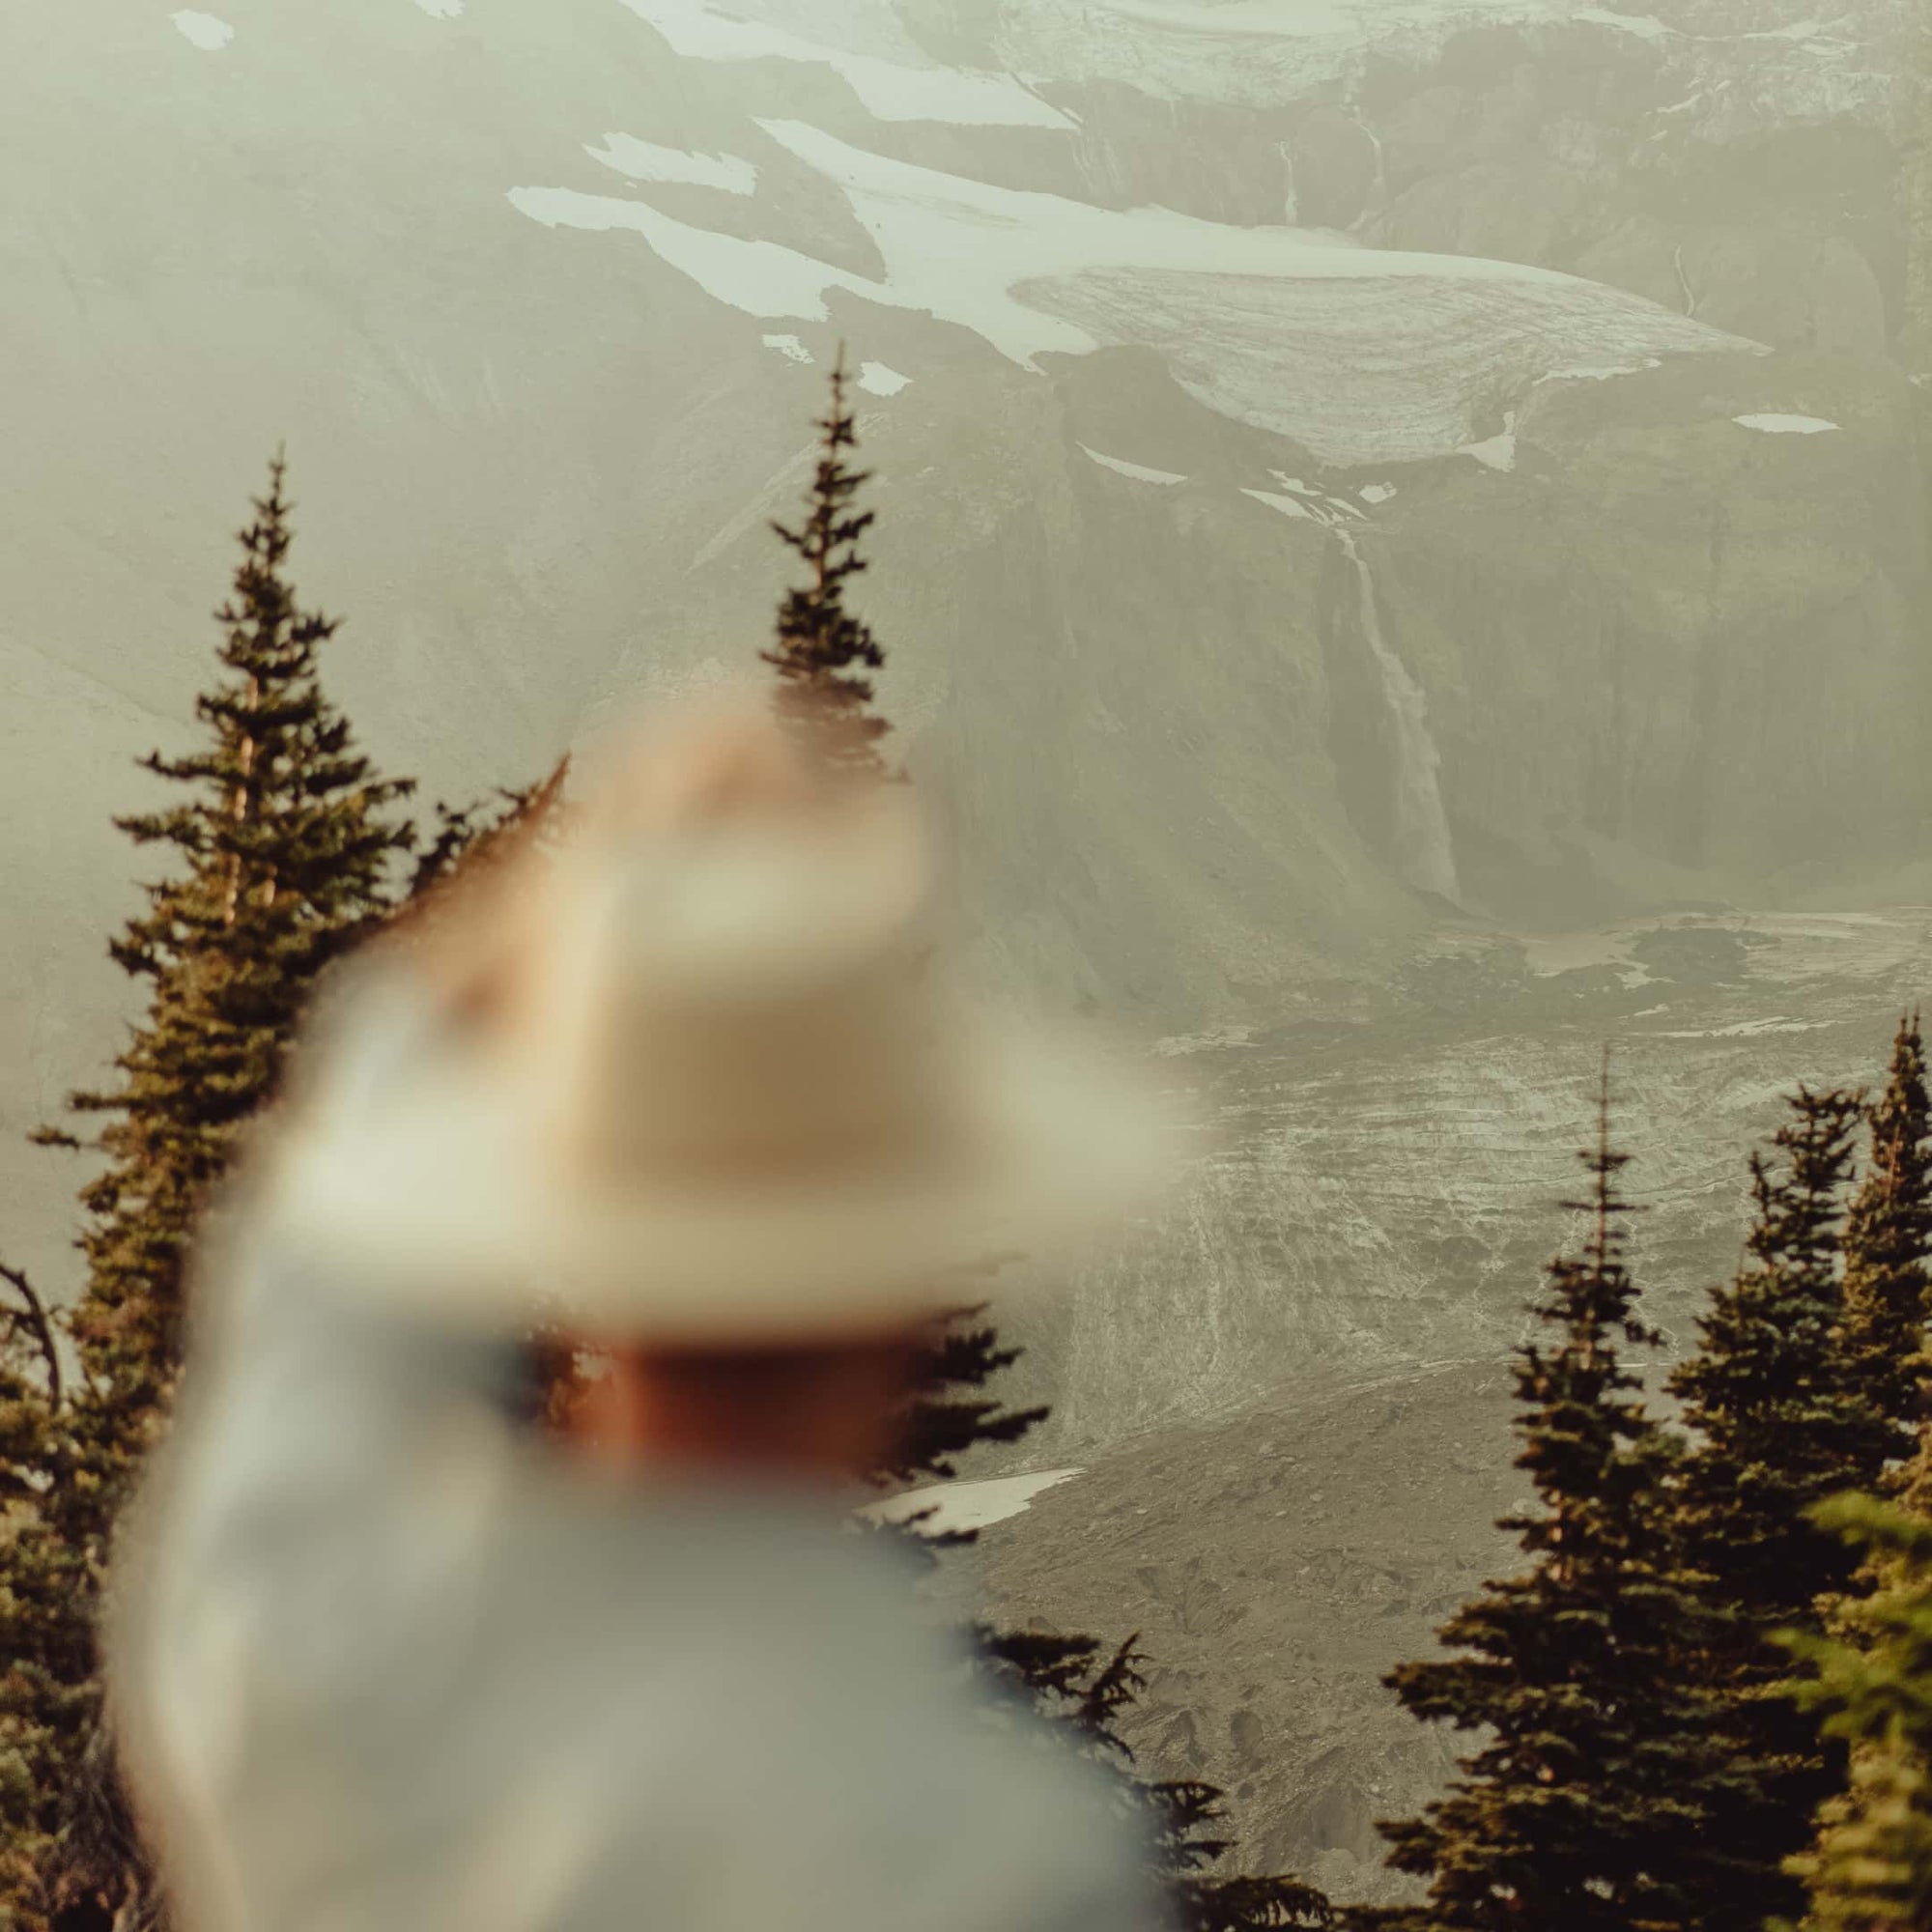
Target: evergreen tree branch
<point>33,1315</point>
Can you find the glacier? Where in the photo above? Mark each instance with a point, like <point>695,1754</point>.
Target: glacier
<point>1266,324</point>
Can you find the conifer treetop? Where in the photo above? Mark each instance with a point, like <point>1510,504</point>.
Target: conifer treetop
<point>283,840</point>
<point>1588,1805</point>
<point>1773,1393</point>
<point>284,848</point>
<point>1779,1421</point>
<point>823,650</point>
<point>1887,1241</point>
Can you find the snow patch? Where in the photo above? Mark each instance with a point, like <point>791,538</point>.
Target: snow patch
<point>1801,30</point>
<point>1745,1029</point>
<point>1786,425</point>
<point>1601,372</point>
<point>1288,506</point>
<point>644,160</point>
<point>967,1505</point>
<point>1375,492</point>
<point>762,278</point>
<point>441,9</point>
<point>891,90</point>
<point>203,30</point>
<point>1137,470</point>
<point>876,380</point>
<point>1329,508</point>
<point>1495,452</point>
<point>789,347</point>
<point>1202,1042</point>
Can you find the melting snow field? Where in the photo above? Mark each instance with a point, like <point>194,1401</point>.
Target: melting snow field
<point>789,347</point>
<point>1786,425</point>
<point>876,380</point>
<point>205,30</point>
<point>1138,471</point>
<point>644,160</point>
<point>892,90</point>
<point>968,1505</point>
<point>1035,273</point>
<point>1498,451</point>
<point>1745,1029</point>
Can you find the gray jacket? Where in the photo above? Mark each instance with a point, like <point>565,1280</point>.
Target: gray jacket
<point>386,1662</point>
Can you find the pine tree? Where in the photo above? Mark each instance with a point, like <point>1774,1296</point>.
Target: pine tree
<point>287,848</point>
<point>285,845</point>
<point>1072,1682</point>
<point>470,851</point>
<point>1887,1238</point>
<point>1871,1683</point>
<point>951,1413</point>
<point>821,697</point>
<point>43,1707</point>
<point>1870,1676</point>
<point>1780,1423</point>
<point>286,841</point>
<point>824,702</point>
<point>1587,1806</point>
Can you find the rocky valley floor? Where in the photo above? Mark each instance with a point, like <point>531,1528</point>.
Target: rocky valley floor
<point>1359,1255</point>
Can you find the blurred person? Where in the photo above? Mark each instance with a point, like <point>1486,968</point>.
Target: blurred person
<point>382,1653</point>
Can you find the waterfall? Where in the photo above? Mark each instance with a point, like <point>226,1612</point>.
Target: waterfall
<point>1424,850</point>
<point>1424,853</point>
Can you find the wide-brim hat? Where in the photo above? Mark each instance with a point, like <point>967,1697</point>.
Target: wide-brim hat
<point>740,1100</point>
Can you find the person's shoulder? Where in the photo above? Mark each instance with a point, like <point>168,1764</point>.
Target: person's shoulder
<point>1047,1832</point>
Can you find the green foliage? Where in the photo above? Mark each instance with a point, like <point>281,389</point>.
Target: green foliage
<point>46,1705</point>
<point>1590,1803</point>
<point>822,696</point>
<point>285,845</point>
<point>286,848</point>
<point>284,841</point>
<point>1886,1238</point>
<point>1781,1421</point>
<point>1867,1675</point>
<point>1071,1682</point>
<point>951,1413</point>
<point>469,850</point>
<point>1871,1683</point>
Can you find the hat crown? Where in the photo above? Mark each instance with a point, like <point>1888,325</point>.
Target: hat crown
<point>718,1093</point>
<point>730,986</point>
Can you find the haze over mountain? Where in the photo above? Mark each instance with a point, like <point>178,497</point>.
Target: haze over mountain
<point>1366,490</point>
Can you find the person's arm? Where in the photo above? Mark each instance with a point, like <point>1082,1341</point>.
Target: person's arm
<point>302,1549</point>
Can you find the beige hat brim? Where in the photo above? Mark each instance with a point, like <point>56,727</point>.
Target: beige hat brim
<point>438,1206</point>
